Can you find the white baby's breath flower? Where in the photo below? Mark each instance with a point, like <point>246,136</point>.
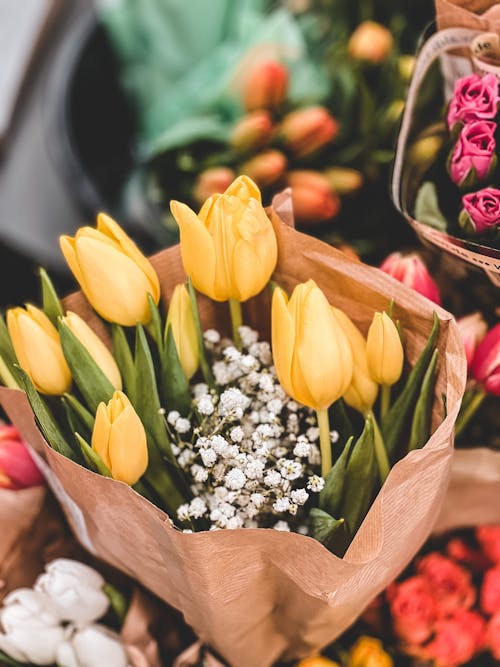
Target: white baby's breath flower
<point>334,437</point>
<point>234,522</point>
<point>205,404</point>
<point>248,336</point>
<point>293,406</point>
<point>316,483</point>
<point>199,389</point>
<point>185,458</point>
<point>209,457</point>
<point>275,405</point>
<point>299,496</point>
<point>199,473</point>
<point>282,525</point>
<point>302,448</point>
<point>236,434</point>
<point>312,433</point>
<point>183,512</point>
<point>281,504</point>
<point>235,479</point>
<point>273,478</point>
<point>197,508</point>
<point>182,425</point>
<point>211,336</point>
<point>290,469</point>
<point>231,353</point>
<point>248,363</point>
<point>233,403</point>
<point>172,417</point>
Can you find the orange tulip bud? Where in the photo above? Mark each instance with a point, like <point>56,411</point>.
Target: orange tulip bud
<point>307,130</point>
<point>266,86</point>
<point>212,181</point>
<point>252,131</point>
<point>265,168</point>
<point>312,197</point>
<point>343,180</point>
<point>371,42</point>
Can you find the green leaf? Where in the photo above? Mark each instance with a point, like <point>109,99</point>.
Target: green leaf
<point>330,498</point>
<point>329,531</point>
<point>401,411</point>
<point>427,207</point>
<point>155,327</point>
<point>421,424</point>
<point>81,416</point>
<point>50,301</point>
<point>118,601</point>
<point>6,348</point>
<point>48,425</point>
<point>89,378</point>
<point>174,381</point>
<point>7,660</point>
<point>147,400</point>
<point>340,419</point>
<point>124,359</point>
<point>361,479</point>
<point>205,368</point>
<point>92,458</point>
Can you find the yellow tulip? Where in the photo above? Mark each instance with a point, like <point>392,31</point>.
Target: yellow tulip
<point>312,355</point>
<point>229,249</point>
<point>120,439</point>
<point>384,350</point>
<point>113,273</point>
<point>317,661</point>
<point>95,347</point>
<point>368,652</point>
<point>362,393</point>
<point>38,350</point>
<point>180,318</point>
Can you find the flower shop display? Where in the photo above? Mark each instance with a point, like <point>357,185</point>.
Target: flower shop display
<point>251,441</point>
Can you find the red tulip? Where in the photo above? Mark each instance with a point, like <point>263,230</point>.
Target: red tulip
<point>313,199</point>
<point>266,86</point>
<point>307,130</point>
<point>17,469</point>
<point>486,363</point>
<point>472,331</point>
<point>412,272</point>
<point>265,168</point>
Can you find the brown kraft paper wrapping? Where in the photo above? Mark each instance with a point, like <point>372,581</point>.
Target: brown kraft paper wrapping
<point>259,595</point>
<point>481,15</point>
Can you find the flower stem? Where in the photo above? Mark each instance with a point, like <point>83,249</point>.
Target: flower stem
<point>236,320</point>
<point>324,441</point>
<point>204,365</point>
<point>385,399</point>
<point>380,450</point>
<point>468,412</point>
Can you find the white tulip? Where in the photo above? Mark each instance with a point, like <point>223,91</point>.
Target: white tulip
<point>93,646</point>
<point>75,590</point>
<point>31,629</point>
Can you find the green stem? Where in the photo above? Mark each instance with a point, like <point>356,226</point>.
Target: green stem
<point>204,365</point>
<point>468,412</point>
<point>385,399</point>
<point>117,600</point>
<point>236,320</point>
<point>380,450</point>
<point>324,441</point>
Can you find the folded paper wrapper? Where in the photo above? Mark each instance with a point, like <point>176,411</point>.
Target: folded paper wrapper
<point>481,15</point>
<point>259,595</point>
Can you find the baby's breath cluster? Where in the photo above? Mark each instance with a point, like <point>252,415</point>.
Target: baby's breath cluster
<point>250,451</point>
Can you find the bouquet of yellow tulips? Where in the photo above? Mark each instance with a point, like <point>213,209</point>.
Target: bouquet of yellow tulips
<point>160,430</point>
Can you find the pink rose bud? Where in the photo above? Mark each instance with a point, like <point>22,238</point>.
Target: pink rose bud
<point>412,272</point>
<point>473,159</point>
<point>481,211</point>
<point>449,582</point>
<point>413,610</point>
<point>472,330</point>
<point>490,591</point>
<point>266,86</point>
<point>371,42</point>
<point>474,98</point>
<point>313,199</point>
<point>17,469</point>
<point>253,131</point>
<point>212,181</point>
<point>486,363</point>
<point>265,168</point>
<point>307,130</point>
<point>493,636</point>
<point>489,539</point>
<point>457,639</point>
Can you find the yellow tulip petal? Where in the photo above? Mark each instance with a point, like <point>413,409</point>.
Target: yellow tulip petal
<point>101,433</point>
<point>244,188</point>
<point>67,245</point>
<point>249,277</point>
<point>283,340</point>
<point>384,350</point>
<point>197,248</point>
<point>205,210</point>
<point>222,230</point>
<point>180,319</point>
<point>128,450</point>
<point>43,321</point>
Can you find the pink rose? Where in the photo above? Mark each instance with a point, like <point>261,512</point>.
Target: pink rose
<point>486,363</point>
<point>474,98</point>
<point>489,539</point>
<point>413,610</point>
<point>412,272</point>
<point>457,639</point>
<point>490,591</point>
<point>481,211</point>
<point>460,551</point>
<point>493,636</point>
<point>473,158</point>
<point>449,583</point>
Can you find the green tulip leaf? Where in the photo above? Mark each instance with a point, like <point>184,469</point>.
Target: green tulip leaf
<point>155,326</point>
<point>427,207</point>
<point>6,349</point>
<point>10,662</point>
<point>48,425</point>
<point>401,411</point>
<point>174,381</point>
<point>361,479</point>
<point>421,424</point>
<point>330,498</point>
<point>81,417</point>
<point>205,368</point>
<point>89,378</point>
<point>124,359</point>
<point>92,458</point>
<point>341,421</point>
<point>50,301</point>
<point>329,531</point>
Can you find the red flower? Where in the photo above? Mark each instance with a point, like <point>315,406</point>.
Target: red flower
<point>490,591</point>
<point>486,364</point>
<point>462,552</point>
<point>457,639</point>
<point>412,272</point>
<point>413,610</point>
<point>493,636</point>
<point>489,539</point>
<point>449,582</point>
<point>17,469</point>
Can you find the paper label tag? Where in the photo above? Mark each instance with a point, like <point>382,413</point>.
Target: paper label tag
<point>435,47</point>
<point>70,507</point>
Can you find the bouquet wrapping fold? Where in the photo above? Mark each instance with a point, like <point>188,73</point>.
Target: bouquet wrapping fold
<point>481,15</point>
<point>259,595</point>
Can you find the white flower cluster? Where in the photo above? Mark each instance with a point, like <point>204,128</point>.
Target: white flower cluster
<point>253,455</point>
<point>55,621</point>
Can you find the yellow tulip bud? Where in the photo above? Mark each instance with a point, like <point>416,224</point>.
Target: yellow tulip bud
<point>181,319</point>
<point>317,661</point>
<point>384,350</point>
<point>95,347</point>
<point>362,392</point>
<point>120,439</point>
<point>229,249</point>
<point>113,273</point>
<point>38,350</point>
<point>312,355</point>
<point>368,652</point>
